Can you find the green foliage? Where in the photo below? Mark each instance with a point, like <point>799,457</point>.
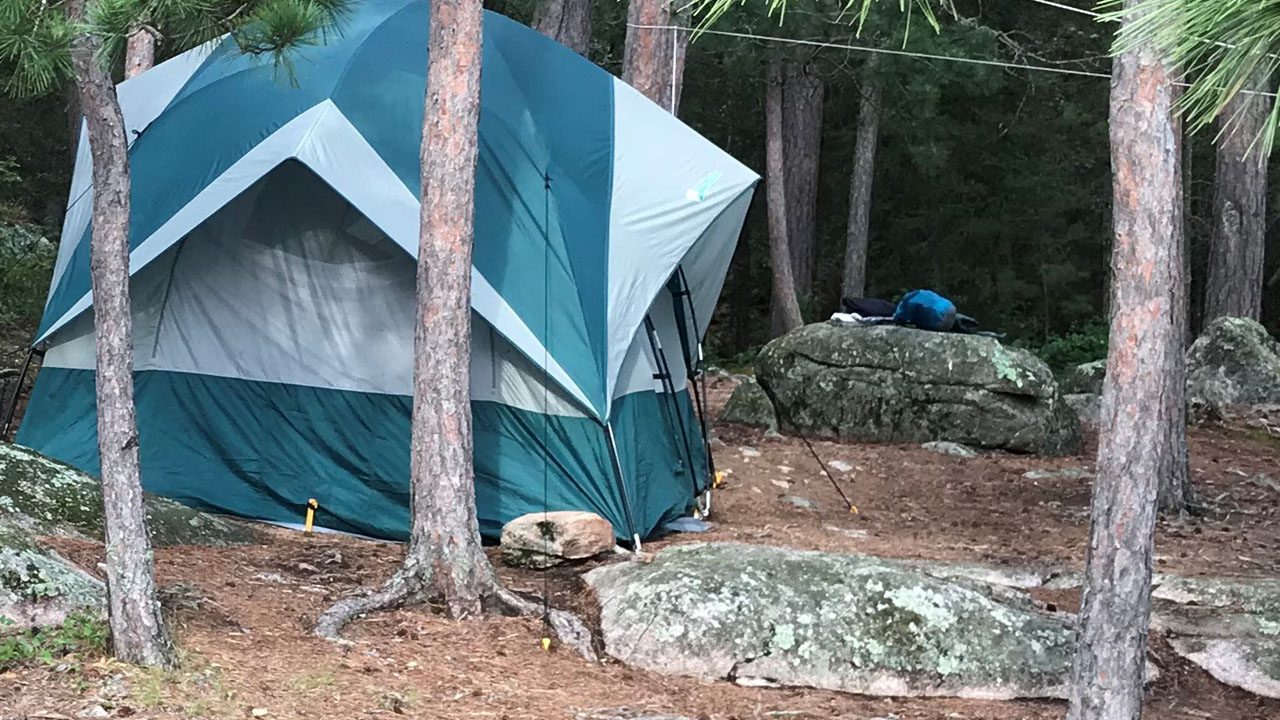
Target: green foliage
<point>26,263</point>
<point>35,35</point>
<point>1075,347</point>
<point>1220,44</point>
<point>853,12</point>
<point>81,634</point>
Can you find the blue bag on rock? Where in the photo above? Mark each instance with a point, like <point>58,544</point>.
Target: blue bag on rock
<point>926,310</point>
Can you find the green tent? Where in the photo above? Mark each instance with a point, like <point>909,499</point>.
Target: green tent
<point>274,227</point>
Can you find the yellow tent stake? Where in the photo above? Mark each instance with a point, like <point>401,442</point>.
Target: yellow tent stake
<point>546,644</point>
<point>312,506</point>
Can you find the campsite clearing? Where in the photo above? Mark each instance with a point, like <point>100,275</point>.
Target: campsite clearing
<point>242,614</point>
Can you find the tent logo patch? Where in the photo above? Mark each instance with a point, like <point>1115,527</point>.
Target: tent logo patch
<point>698,192</point>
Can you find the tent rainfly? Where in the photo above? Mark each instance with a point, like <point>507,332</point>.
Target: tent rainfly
<point>273,235</point>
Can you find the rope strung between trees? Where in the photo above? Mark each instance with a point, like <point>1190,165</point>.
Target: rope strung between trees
<point>821,44</point>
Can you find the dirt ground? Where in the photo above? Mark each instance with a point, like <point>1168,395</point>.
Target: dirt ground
<point>242,615</point>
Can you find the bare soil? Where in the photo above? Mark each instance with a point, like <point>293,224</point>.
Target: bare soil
<point>242,615</point>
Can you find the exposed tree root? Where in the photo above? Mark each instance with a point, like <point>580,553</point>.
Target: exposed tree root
<point>406,588</point>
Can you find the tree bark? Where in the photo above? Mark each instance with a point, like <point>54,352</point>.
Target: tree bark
<point>860,183</point>
<point>802,151</point>
<point>1143,366</point>
<point>445,561</point>
<point>138,632</point>
<point>786,314</point>
<point>140,53</point>
<point>653,57</point>
<point>568,22</point>
<point>1235,283</point>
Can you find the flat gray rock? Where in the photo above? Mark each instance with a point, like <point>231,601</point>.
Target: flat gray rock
<point>1228,626</point>
<point>766,615</point>
<point>943,447</point>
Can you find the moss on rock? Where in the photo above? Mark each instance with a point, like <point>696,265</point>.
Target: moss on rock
<point>840,622</point>
<point>50,498</point>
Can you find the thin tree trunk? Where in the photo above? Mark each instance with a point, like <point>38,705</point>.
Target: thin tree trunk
<point>802,151</point>
<point>1143,364</point>
<point>1235,284</point>
<point>786,316</point>
<point>445,561</point>
<point>140,53</point>
<point>862,180</point>
<point>654,54</point>
<point>568,22</point>
<point>138,632</point>
<point>1175,495</point>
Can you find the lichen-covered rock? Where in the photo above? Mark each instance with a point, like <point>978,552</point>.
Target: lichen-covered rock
<point>1233,362</point>
<point>1083,379</point>
<point>749,405</point>
<point>1228,626</point>
<point>858,624</point>
<point>898,384</point>
<point>49,498</point>
<point>38,587</point>
<point>543,540</point>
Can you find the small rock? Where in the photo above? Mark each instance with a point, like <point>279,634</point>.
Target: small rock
<point>781,483</point>
<point>848,532</point>
<point>1087,407</point>
<point>943,447</point>
<point>785,470</point>
<point>1064,474</point>
<point>543,540</point>
<point>749,452</point>
<point>259,712</point>
<point>801,502</point>
<point>839,466</point>
<point>1264,480</point>
<point>96,711</point>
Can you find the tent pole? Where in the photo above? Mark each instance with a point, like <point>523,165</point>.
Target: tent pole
<point>17,392</point>
<point>622,485</point>
<point>669,387</point>
<point>697,373</point>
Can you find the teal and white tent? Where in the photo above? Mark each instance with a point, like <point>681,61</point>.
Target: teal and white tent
<point>275,220</point>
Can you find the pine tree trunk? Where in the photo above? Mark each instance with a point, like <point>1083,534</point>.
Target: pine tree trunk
<point>802,151</point>
<point>786,314</point>
<point>445,561</point>
<point>140,53</point>
<point>568,22</point>
<point>653,56</point>
<point>1235,284</point>
<point>862,180</point>
<point>1137,403</point>
<point>138,632</point>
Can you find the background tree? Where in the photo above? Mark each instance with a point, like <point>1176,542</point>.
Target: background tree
<point>786,308</point>
<point>862,179</point>
<point>654,57</point>
<point>568,22</point>
<point>445,562</point>
<point>1236,253</point>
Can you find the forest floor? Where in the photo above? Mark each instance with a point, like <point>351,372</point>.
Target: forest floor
<point>242,615</point>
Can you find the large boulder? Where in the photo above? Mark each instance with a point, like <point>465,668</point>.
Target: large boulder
<point>46,497</point>
<point>758,614</point>
<point>38,587</point>
<point>1233,362</point>
<point>898,384</point>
